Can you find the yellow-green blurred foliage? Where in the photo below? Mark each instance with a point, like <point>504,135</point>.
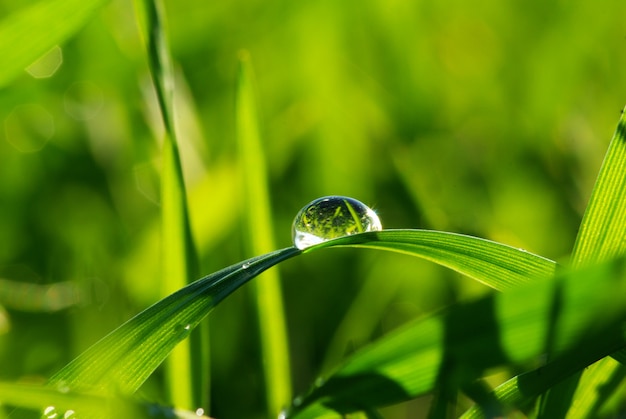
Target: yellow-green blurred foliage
<point>487,118</point>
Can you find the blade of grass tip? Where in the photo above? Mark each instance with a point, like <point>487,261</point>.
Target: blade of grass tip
<point>178,252</point>
<point>601,232</point>
<point>600,238</point>
<point>121,361</point>
<point>259,239</point>
<point>31,31</point>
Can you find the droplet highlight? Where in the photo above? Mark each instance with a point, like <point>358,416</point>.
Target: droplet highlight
<point>331,217</point>
<point>50,412</point>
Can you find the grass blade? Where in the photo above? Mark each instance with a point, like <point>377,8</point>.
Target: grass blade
<point>123,360</point>
<point>454,348</point>
<point>497,265</point>
<point>602,230</point>
<point>32,31</point>
<point>259,238</point>
<point>178,254</point>
<point>607,374</point>
<point>600,238</point>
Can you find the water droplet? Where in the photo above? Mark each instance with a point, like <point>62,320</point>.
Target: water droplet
<point>83,101</point>
<point>187,327</point>
<point>50,412</point>
<point>29,127</point>
<point>320,381</point>
<point>245,265</point>
<point>199,411</point>
<point>70,414</point>
<point>63,387</point>
<point>331,217</point>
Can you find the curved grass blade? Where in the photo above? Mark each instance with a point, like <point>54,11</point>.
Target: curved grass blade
<point>259,239</point>
<point>453,348</point>
<point>497,265</point>
<point>30,32</point>
<point>123,360</point>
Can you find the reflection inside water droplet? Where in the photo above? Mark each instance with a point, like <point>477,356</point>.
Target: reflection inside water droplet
<point>331,217</point>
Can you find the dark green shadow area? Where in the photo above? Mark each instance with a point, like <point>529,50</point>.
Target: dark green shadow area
<point>345,394</point>
<point>598,293</point>
<point>471,344</point>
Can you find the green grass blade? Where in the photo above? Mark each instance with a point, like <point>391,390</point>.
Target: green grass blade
<point>600,238</point>
<point>178,251</point>
<point>521,390</point>
<point>30,32</point>
<point>259,238</point>
<point>497,265</point>
<point>607,374</point>
<point>601,234</point>
<point>123,360</point>
<point>453,348</point>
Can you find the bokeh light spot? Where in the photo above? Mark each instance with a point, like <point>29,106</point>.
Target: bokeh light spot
<point>29,127</point>
<point>83,100</point>
<point>46,65</point>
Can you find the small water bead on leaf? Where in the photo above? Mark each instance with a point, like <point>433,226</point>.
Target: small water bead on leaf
<point>50,412</point>
<point>331,217</point>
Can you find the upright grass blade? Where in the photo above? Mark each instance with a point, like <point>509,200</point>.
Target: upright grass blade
<point>601,237</point>
<point>259,239</point>
<point>30,32</point>
<point>178,252</point>
<point>453,348</point>
<point>123,360</point>
<point>601,234</point>
<point>497,265</point>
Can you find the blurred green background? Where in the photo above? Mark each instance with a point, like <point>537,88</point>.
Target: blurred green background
<point>486,118</point>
